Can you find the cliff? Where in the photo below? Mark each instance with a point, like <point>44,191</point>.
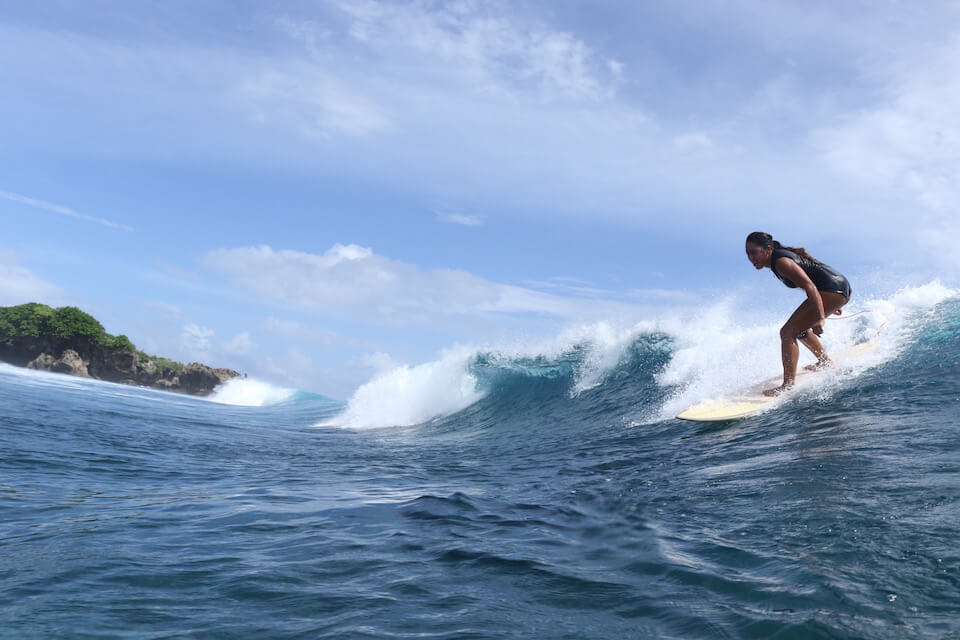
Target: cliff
<point>68,340</point>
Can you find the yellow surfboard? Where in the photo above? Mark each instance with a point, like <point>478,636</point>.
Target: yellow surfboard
<point>752,401</point>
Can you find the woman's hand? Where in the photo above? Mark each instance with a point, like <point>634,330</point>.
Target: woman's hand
<point>818,328</point>
<point>792,271</point>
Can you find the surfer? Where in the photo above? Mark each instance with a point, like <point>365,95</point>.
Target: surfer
<point>827,292</point>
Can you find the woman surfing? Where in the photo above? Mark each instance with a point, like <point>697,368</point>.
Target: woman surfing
<point>827,292</point>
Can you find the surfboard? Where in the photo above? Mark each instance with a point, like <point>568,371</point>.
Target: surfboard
<point>745,403</point>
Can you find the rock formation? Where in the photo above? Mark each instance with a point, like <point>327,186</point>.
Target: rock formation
<point>33,336</point>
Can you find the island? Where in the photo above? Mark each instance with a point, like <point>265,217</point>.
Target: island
<point>68,340</point>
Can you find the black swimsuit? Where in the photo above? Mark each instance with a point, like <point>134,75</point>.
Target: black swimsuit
<point>824,277</point>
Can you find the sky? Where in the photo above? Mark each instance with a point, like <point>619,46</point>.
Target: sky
<point>311,192</point>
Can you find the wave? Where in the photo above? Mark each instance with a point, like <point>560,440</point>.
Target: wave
<point>64,382</point>
<point>644,373</point>
<point>576,361</point>
<point>711,363</point>
<point>241,392</point>
<point>409,395</point>
<point>249,392</point>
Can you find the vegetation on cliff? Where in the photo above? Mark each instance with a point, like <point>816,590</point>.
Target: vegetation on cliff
<point>64,323</point>
<point>68,340</point>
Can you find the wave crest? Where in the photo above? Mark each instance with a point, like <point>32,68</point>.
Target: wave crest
<point>249,392</point>
<point>643,373</point>
<point>409,395</point>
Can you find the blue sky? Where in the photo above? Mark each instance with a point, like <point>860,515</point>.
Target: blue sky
<point>307,191</point>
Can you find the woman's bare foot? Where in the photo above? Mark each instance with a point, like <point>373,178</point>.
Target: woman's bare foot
<point>773,393</point>
<point>820,365</point>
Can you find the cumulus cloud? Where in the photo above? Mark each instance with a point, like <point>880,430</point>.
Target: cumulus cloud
<point>519,106</point>
<point>371,67</point>
<point>195,339</point>
<point>312,100</point>
<point>351,276</point>
<point>485,44</point>
<point>908,144</point>
<point>239,345</point>
<point>19,285</point>
<point>299,330</point>
<point>293,367</point>
<point>912,139</point>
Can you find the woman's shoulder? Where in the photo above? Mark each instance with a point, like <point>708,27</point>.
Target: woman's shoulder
<point>785,253</point>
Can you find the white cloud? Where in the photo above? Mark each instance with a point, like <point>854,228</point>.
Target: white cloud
<point>465,100</point>
<point>293,367</point>
<point>570,286</point>
<point>908,144</point>
<point>165,308</point>
<point>60,209</point>
<point>311,100</point>
<point>379,361</point>
<point>19,285</point>
<point>693,140</point>
<point>585,290</point>
<point>505,105</point>
<point>486,45</point>
<point>301,331</point>
<point>911,141</point>
<point>351,277</point>
<point>195,340</point>
<point>239,345</point>
<point>460,219</point>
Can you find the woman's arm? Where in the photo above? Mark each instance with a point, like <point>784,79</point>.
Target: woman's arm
<point>792,272</point>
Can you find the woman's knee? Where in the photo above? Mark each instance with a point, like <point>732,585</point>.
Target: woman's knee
<point>789,333</point>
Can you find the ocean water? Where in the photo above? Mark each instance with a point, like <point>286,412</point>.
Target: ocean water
<point>536,491</point>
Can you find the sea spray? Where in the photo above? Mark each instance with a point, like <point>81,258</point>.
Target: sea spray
<point>605,347</point>
<point>716,354</point>
<point>249,392</point>
<point>406,395</point>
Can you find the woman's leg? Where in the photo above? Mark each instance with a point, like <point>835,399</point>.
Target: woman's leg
<point>832,304</point>
<point>799,324</point>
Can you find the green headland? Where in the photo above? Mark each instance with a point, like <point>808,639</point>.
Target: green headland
<point>69,340</point>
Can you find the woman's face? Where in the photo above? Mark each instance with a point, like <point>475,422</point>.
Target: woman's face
<point>759,256</point>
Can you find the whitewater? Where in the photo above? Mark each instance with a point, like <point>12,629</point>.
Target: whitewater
<point>539,489</point>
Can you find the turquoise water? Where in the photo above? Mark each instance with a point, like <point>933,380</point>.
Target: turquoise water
<point>551,505</point>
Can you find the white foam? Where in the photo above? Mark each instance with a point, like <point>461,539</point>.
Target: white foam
<point>406,395</point>
<point>717,355</point>
<point>722,348</point>
<point>605,345</point>
<point>66,381</point>
<point>102,387</point>
<point>249,392</point>
<point>246,392</point>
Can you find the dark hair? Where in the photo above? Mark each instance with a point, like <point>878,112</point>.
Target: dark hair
<point>766,240</point>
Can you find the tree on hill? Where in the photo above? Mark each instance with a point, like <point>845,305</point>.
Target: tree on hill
<point>62,324</point>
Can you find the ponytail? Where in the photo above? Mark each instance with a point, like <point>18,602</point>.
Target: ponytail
<point>800,251</point>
